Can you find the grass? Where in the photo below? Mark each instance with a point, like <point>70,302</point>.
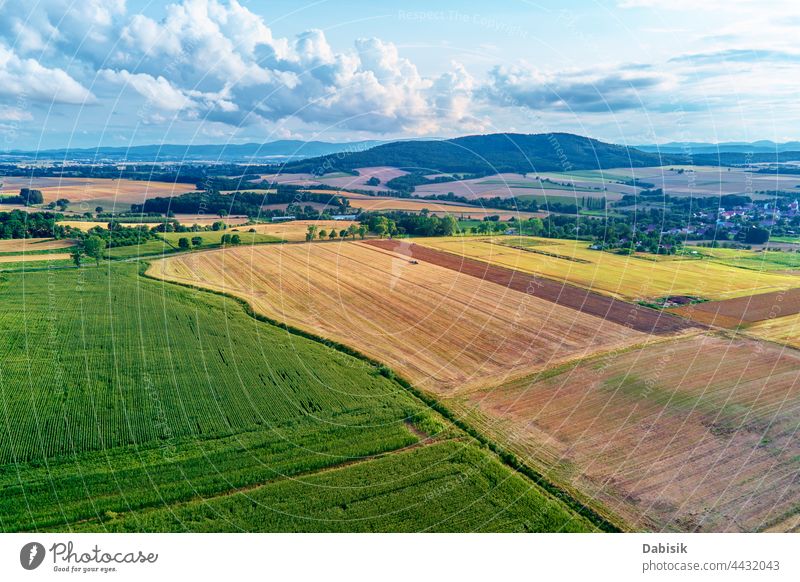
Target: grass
<point>125,402</point>
<point>627,277</point>
<point>146,249</point>
<point>785,330</point>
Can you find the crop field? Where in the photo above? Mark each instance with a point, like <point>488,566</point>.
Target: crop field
<point>213,238</point>
<point>625,277</point>
<point>196,400</point>
<point>111,194</point>
<point>508,185</point>
<point>444,330</point>
<point>384,494</point>
<point>752,259</point>
<point>31,245</point>
<point>295,230</point>
<point>694,434</point>
<point>710,180</point>
<point>29,258</point>
<point>86,225</point>
<point>743,310</point>
<point>783,330</point>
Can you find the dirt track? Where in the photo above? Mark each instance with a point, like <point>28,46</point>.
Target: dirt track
<point>633,316</point>
<point>734,312</point>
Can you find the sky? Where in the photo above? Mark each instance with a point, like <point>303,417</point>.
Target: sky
<point>119,73</point>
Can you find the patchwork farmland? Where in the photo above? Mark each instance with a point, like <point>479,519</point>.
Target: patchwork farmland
<point>199,406</point>
<point>442,329</point>
<point>656,422</point>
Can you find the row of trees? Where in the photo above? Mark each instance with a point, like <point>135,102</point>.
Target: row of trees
<point>351,231</point>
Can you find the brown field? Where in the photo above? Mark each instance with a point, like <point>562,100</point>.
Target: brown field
<point>443,330</point>
<point>295,231</point>
<point>608,308</point>
<point>29,258</point>
<point>695,434</point>
<point>741,310</point>
<point>27,245</point>
<point>111,194</point>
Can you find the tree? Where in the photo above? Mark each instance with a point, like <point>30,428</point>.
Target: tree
<point>236,239</point>
<point>322,234</point>
<point>183,243</point>
<point>93,247</point>
<point>449,225</point>
<point>77,256</point>
<point>352,230</point>
<point>226,239</point>
<point>332,234</point>
<point>756,236</point>
<point>197,241</point>
<point>343,233</point>
<point>30,196</point>
<point>222,213</point>
<point>311,233</point>
<point>362,231</point>
<point>373,181</point>
<point>98,209</point>
<point>218,225</point>
<point>62,204</point>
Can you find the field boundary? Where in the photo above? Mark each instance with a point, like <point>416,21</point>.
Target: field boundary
<point>629,315</point>
<point>602,522</point>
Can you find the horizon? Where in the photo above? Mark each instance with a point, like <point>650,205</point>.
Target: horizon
<point>211,72</point>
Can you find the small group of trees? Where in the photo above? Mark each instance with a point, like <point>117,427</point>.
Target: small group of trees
<point>27,196</point>
<point>196,241</point>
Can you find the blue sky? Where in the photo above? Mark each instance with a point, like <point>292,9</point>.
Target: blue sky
<point>111,72</point>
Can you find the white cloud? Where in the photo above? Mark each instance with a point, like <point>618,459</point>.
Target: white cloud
<point>595,91</point>
<point>29,80</point>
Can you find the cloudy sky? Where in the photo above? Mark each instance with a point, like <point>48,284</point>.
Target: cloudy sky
<point>117,73</point>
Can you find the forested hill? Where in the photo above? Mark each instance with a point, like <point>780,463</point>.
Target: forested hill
<point>489,154</point>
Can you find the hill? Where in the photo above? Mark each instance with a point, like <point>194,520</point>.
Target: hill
<point>489,154</point>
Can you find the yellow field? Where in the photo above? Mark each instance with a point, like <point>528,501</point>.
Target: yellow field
<point>785,330</point>
<point>626,277</point>
<point>445,331</point>
<point>27,245</point>
<point>86,225</point>
<point>437,207</point>
<point>30,258</point>
<point>295,231</point>
<point>93,191</point>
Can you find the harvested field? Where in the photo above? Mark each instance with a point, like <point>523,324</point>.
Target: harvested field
<point>446,331</point>
<point>784,330</point>
<point>27,245</point>
<point>27,258</point>
<point>636,317</point>
<point>295,231</point>
<point>695,434</point>
<point>111,194</point>
<point>625,277</point>
<point>741,310</point>
<point>86,225</point>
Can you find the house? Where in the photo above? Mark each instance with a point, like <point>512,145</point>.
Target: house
<point>344,216</point>
<point>283,218</point>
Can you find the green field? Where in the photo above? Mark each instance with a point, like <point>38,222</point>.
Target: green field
<point>127,403</point>
<point>213,238</point>
<point>750,259</point>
